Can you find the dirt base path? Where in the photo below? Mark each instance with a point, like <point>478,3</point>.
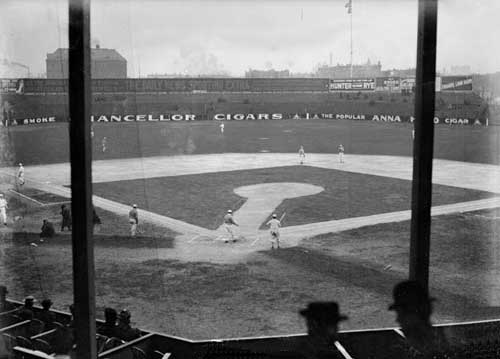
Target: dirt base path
<point>197,243</point>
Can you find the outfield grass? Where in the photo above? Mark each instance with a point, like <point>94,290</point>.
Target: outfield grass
<point>261,295</point>
<point>203,199</point>
<point>49,143</point>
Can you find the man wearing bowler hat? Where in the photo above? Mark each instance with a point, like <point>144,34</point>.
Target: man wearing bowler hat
<point>322,319</point>
<point>413,307</point>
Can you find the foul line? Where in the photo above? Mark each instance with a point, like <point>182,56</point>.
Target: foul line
<point>26,197</point>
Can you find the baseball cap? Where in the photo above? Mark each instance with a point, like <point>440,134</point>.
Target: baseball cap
<point>20,164</point>
<point>274,215</point>
<point>229,211</point>
<point>134,205</point>
<point>410,294</point>
<point>324,311</point>
<point>29,298</point>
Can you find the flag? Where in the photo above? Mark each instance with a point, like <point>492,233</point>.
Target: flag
<point>348,5</point>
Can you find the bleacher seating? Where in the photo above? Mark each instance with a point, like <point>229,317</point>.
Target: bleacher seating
<point>474,340</point>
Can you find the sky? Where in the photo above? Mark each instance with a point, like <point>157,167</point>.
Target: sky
<point>195,37</point>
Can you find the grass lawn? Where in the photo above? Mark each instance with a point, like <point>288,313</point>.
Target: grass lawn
<point>203,199</point>
<point>262,294</point>
<point>50,144</point>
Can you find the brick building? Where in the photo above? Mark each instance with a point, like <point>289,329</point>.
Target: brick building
<point>105,63</point>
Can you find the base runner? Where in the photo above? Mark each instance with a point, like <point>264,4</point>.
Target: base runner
<point>229,224</point>
<point>274,229</point>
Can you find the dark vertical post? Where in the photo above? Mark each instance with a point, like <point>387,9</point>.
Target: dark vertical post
<point>81,186</point>
<point>424,142</point>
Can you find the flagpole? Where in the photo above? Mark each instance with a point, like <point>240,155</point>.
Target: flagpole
<point>350,12</point>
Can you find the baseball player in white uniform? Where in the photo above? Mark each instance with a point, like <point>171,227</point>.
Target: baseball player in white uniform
<point>274,227</point>
<point>221,127</point>
<point>20,175</point>
<point>229,224</point>
<point>302,155</point>
<point>3,209</point>
<point>341,153</point>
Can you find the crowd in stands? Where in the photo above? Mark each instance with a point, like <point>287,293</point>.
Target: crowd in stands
<point>41,329</point>
<point>411,303</point>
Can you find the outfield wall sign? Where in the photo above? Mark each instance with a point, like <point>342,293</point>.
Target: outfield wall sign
<point>456,83</point>
<point>183,117</point>
<point>352,85</point>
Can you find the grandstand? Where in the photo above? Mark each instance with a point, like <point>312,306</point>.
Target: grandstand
<point>185,150</point>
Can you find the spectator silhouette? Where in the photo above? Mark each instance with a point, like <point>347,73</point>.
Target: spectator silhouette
<point>4,305</point>
<point>123,330</point>
<point>413,307</point>
<point>322,319</point>
<point>66,218</point>
<point>26,311</point>
<point>109,328</point>
<point>46,315</point>
<point>48,230</point>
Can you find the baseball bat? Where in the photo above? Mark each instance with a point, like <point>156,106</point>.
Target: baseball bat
<point>282,216</point>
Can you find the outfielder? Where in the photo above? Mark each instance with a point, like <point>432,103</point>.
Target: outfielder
<point>20,175</point>
<point>274,226</point>
<point>302,155</point>
<point>229,224</point>
<point>341,153</point>
<point>221,128</point>
<point>104,144</point>
<point>3,209</point>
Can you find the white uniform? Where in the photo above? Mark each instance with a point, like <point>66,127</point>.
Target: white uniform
<point>3,210</point>
<point>229,224</point>
<point>274,227</point>
<point>221,128</point>
<point>20,175</point>
<point>341,153</point>
<point>302,155</point>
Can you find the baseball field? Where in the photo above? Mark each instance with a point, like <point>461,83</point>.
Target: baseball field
<point>345,234</point>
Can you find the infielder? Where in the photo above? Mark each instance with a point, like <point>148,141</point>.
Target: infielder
<point>3,209</point>
<point>133,219</point>
<point>20,175</point>
<point>229,224</point>
<point>302,155</point>
<point>274,227</point>
<point>341,153</point>
<point>221,127</point>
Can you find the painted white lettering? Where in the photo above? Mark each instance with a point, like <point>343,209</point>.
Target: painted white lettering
<point>219,116</point>
<point>140,118</point>
<point>250,116</point>
<point>277,116</point>
<point>129,118</point>
<point>177,117</point>
<point>116,118</point>
<point>190,117</point>
<point>239,116</point>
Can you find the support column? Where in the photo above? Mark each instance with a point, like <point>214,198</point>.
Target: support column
<point>423,142</point>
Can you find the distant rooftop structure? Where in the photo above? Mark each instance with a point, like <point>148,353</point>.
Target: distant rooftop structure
<point>341,71</point>
<point>105,63</point>
<point>274,74</point>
